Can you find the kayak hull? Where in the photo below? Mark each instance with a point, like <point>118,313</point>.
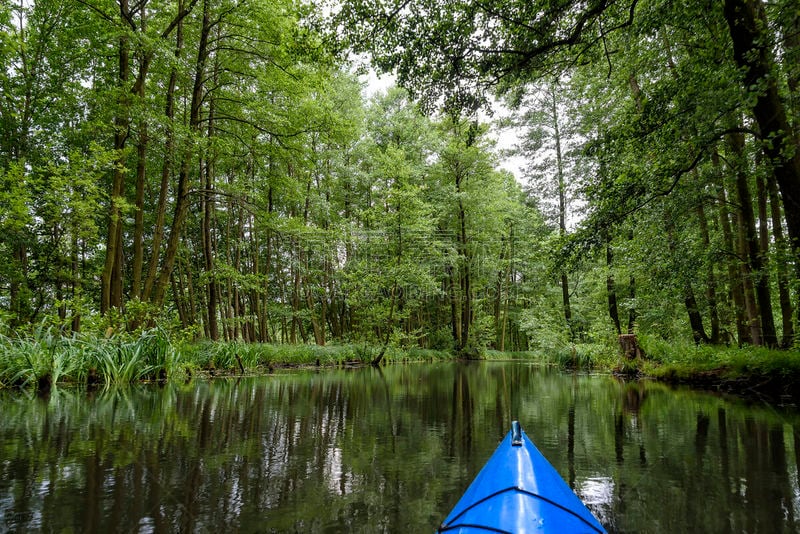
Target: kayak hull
<point>519,491</point>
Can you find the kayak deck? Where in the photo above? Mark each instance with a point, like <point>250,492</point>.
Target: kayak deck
<point>519,491</point>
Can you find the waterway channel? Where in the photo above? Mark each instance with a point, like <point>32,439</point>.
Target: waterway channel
<point>388,450</point>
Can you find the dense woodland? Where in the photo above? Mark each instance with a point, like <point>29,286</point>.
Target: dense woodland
<point>214,167</point>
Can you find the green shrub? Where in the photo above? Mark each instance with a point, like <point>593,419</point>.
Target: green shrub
<point>44,355</point>
<point>585,356</point>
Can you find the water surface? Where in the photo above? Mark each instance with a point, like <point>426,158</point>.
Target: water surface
<point>388,450</point>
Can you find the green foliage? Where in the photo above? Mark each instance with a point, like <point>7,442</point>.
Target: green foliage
<point>685,361</point>
<point>14,200</point>
<point>44,355</point>
<point>48,354</point>
<point>228,159</point>
<point>124,362</point>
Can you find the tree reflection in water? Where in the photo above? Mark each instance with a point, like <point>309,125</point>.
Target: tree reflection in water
<point>380,450</point>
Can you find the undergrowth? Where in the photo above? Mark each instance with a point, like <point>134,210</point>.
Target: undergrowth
<point>45,357</point>
<point>687,360</point>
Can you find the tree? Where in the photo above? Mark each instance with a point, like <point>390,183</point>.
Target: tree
<point>663,117</point>
<point>748,25</point>
<point>460,50</point>
<point>551,169</point>
<point>478,203</point>
<point>395,248</point>
<point>47,160</point>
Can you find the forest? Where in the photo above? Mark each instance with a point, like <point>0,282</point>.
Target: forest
<point>217,169</point>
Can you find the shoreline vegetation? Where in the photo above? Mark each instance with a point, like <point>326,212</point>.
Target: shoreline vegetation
<point>177,171</point>
<point>45,359</point>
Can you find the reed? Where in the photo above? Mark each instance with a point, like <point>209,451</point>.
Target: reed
<point>577,356</point>
<point>123,361</point>
<point>45,357</point>
<point>42,359</point>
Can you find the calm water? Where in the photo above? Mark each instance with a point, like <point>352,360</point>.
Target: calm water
<point>388,450</point>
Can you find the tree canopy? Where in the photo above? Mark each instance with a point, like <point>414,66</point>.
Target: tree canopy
<point>214,167</point>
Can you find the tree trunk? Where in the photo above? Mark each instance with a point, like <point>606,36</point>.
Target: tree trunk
<point>464,267</point>
<point>631,295</point>
<point>111,277</point>
<point>753,250</point>
<point>455,321</point>
<point>750,303</point>
<point>466,279</point>
<point>208,200</point>
<point>112,274</point>
<point>268,259</point>
<point>630,346</point>
<point>138,231</point>
<point>166,168</point>
<point>212,286</point>
<point>295,293</point>
<point>179,305</point>
<point>695,319</point>
<point>736,290</point>
<point>562,209</point>
<point>753,53</point>
<point>377,360</point>
<point>77,285</point>
<point>611,290</point>
<point>502,291</point>
<point>19,290</point>
<point>711,279</point>
<point>319,333</point>
<point>782,267</point>
<point>141,169</point>
<point>631,300</point>
<point>182,193</point>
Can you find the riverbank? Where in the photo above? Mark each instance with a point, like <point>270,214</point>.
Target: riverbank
<point>754,372</point>
<point>46,358</point>
<point>775,388</point>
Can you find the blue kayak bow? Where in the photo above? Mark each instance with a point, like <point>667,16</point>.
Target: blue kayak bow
<point>519,491</point>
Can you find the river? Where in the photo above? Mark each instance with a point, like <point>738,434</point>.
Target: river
<point>388,450</point>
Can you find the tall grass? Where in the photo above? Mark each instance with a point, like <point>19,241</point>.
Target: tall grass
<point>47,357</point>
<point>580,356</point>
<point>44,356</point>
<point>155,355</point>
<point>587,356</point>
<point>122,361</point>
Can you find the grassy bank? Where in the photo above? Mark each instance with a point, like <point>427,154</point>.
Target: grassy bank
<point>232,357</point>
<point>45,358</point>
<point>750,371</point>
<point>737,370</point>
<point>579,356</point>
